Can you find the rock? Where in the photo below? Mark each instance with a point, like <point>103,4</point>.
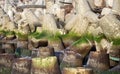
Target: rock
<point>116,7</point>
<point>106,11</point>
<point>116,68</point>
<point>48,65</point>
<point>110,26</point>
<point>11,26</point>
<point>57,44</point>
<point>21,66</point>
<point>5,70</point>
<point>98,61</point>
<point>39,13</point>
<point>50,25</point>
<point>99,3</point>
<point>17,17</point>
<point>103,45</point>
<point>5,19</point>
<point>91,4</point>
<point>81,6</point>
<point>10,37</point>
<point>39,42</point>
<point>71,22</point>
<point>109,3</point>
<point>71,59</point>
<point>83,48</point>
<point>78,21</point>
<point>22,44</point>
<point>24,28</point>
<point>1,12</point>
<point>78,70</point>
<point>91,16</point>
<point>22,37</point>
<point>9,48</point>
<point>94,30</point>
<point>6,60</point>
<point>46,51</point>
<point>40,2</point>
<point>68,17</point>
<point>39,29</point>
<point>114,53</point>
<point>31,18</point>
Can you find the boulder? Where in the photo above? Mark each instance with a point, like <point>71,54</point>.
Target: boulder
<point>111,27</point>
<point>109,3</point>
<point>116,6</point>
<point>99,61</point>
<point>46,51</point>
<point>106,11</point>
<point>99,3</point>
<point>49,23</point>
<point>21,66</point>
<point>81,6</point>
<point>78,70</point>
<point>48,65</point>
<point>31,17</point>
<point>71,59</point>
<point>6,60</point>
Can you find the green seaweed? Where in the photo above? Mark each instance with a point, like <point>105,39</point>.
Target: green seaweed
<point>22,36</point>
<point>7,32</point>
<point>116,41</point>
<point>39,35</point>
<point>99,37</point>
<point>71,35</point>
<point>80,41</point>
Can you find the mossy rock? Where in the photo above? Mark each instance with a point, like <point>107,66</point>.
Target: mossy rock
<point>71,59</point>
<point>6,60</point>
<point>5,70</point>
<point>2,32</point>
<point>81,46</point>
<point>39,35</point>
<point>39,42</point>
<point>99,37</point>
<point>48,65</point>
<point>116,41</point>
<point>78,70</point>
<point>71,35</point>
<point>21,36</point>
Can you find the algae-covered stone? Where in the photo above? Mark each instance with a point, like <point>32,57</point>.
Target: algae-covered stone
<point>6,60</point>
<point>46,51</point>
<point>81,46</point>
<point>78,70</point>
<point>21,66</point>
<point>10,35</point>
<point>71,59</point>
<point>9,48</point>
<point>56,44</point>
<point>39,42</point>
<point>69,38</point>
<point>22,44</point>
<point>99,61</point>
<point>5,70</point>
<point>48,65</point>
<point>39,39</point>
<point>21,36</point>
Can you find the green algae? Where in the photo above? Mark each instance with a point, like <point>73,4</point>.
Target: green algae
<point>48,62</point>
